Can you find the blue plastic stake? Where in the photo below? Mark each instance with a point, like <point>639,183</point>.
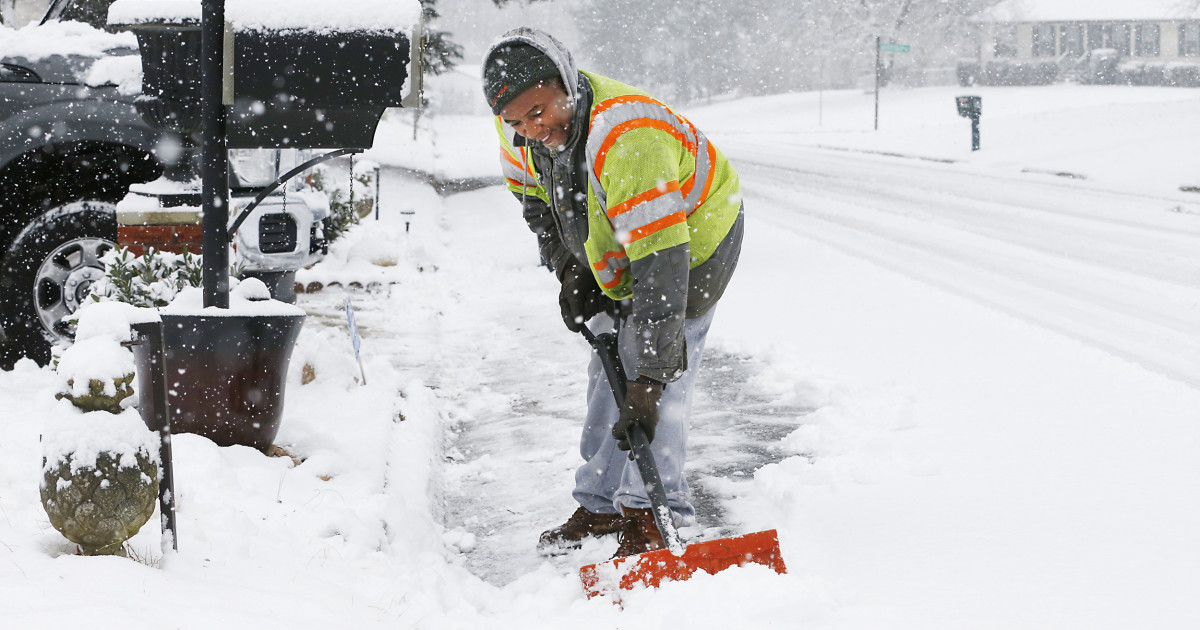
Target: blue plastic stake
<point>355,339</point>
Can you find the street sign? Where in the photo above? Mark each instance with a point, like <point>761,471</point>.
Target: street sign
<point>894,48</point>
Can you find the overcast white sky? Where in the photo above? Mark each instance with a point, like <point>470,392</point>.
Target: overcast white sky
<point>475,23</point>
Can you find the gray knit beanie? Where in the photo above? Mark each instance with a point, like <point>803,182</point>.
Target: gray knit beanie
<point>512,69</point>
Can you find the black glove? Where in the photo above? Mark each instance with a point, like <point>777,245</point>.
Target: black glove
<point>641,407</point>
<point>580,298</point>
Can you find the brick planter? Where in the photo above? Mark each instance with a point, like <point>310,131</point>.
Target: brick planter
<point>164,229</point>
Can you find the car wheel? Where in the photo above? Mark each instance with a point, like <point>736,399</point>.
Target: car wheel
<point>47,272</point>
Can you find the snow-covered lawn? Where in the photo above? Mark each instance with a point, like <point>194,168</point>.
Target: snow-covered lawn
<point>966,395</point>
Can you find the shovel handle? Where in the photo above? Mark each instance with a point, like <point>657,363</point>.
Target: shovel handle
<point>605,346</point>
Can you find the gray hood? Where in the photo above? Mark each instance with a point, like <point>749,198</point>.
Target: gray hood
<point>544,42</point>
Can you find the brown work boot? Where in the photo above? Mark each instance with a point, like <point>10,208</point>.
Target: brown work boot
<point>640,534</point>
<point>582,524</point>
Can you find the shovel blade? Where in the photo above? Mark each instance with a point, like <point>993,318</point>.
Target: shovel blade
<point>711,556</point>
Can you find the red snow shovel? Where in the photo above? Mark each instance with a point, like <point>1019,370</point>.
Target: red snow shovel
<point>677,561</point>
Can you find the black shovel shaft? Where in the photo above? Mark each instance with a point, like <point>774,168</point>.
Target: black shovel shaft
<point>605,346</point>
<point>657,493</point>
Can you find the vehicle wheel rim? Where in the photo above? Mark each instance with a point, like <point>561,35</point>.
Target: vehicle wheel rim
<point>64,279</point>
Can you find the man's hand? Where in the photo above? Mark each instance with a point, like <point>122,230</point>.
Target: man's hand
<point>641,407</point>
<point>580,298</point>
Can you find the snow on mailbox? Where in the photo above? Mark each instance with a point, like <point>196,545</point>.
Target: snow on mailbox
<point>301,74</point>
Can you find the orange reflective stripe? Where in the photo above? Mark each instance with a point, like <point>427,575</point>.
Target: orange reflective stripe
<point>621,100</point>
<point>513,182</point>
<point>653,193</point>
<point>603,262</point>
<point>663,223</point>
<point>616,281</point>
<point>689,124</point>
<point>637,123</point>
<point>686,188</point>
<point>523,165</point>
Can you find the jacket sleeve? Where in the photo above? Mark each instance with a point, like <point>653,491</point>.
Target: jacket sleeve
<point>641,179</point>
<point>660,295</point>
<point>540,221</point>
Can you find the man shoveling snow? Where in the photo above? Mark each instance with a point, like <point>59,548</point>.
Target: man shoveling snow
<point>640,218</point>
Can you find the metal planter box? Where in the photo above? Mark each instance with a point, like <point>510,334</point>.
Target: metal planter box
<point>225,376</point>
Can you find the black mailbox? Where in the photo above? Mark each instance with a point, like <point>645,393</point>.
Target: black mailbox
<point>314,89</point>
<point>288,89</point>
<point>970,106</point>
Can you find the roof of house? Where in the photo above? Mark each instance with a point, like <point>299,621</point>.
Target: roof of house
<point>1091,10</point>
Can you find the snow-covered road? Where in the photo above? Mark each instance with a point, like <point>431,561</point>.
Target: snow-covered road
<point>999,446</point>
<point>1114,269</point>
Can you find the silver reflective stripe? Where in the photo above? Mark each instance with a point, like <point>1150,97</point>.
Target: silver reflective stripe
<point>648,212</point>
<point>703,166</point>
<point>613,266</point>
<point>601,196</point>
<point>516,173</point>
<point>616,115</point>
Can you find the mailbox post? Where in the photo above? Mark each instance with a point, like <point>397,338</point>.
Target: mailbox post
<point>223,82</point>
<point>214,156</point>
<point>971,107</point>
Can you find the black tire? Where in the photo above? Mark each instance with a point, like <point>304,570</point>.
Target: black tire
<point>47,271</point>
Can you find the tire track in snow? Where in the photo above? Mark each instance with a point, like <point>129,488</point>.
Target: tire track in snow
<point>1145,307</point>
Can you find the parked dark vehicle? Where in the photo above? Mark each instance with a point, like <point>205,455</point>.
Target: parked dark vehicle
<point>72,143</point>
<point>68,153</point>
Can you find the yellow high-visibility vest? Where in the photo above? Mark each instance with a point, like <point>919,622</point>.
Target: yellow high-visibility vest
<point>654,181</point>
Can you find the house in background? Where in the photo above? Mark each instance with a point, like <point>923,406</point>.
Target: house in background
<point>1145,42</point>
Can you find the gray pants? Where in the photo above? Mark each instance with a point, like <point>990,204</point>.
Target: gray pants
<point>608,479</point>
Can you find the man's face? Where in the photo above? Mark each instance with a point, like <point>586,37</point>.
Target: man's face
<point>541,113</point>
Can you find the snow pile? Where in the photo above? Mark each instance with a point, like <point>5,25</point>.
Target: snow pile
<point>36,43</point>
<point>319,15</point>
<point>123,71</point>
<point>83,437</point>
<point>246,297</point>
<point>97,354</point>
